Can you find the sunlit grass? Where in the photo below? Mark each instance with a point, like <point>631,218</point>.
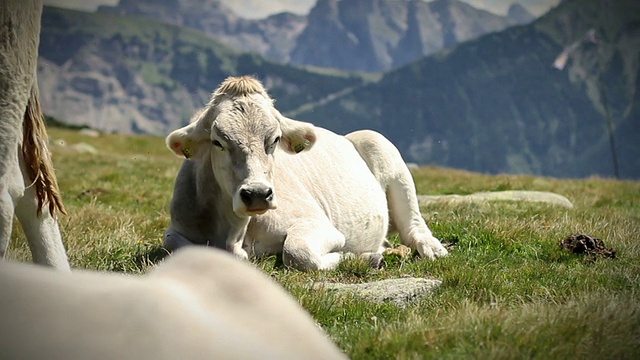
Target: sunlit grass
<point>508,290</point>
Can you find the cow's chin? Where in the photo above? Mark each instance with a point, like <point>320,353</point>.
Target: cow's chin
<point>256,212</point>
<point>244,212</point>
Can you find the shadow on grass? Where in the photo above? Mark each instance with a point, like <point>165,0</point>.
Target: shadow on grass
<point>149,256</point>
<point>121,259</point>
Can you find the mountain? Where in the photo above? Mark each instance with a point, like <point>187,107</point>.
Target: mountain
<point>272,37</point>
<point>144,76</point>
<point>375,35</point>
<point>496,104</point>
<point>362,35</point>
<point>493,104</point>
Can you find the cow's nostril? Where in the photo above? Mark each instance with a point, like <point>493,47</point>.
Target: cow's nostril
<point>268,194</point>
<point>246,196</point>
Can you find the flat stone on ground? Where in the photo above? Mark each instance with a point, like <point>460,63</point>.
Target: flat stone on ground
<point>509,195</point>
<point>399,291</point>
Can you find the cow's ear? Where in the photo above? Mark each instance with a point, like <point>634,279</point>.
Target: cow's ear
<point>297,136</point>
<point>193,139</point>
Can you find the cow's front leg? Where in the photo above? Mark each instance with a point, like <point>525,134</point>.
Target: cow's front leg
<point>173,240</point>
<point>235,241</point>
<point>374,259</point>
<point>313,245</point>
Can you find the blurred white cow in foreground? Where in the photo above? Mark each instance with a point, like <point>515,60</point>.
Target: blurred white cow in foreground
<point>256,183</point>
<point>27,180</point>
<point>200,304</point>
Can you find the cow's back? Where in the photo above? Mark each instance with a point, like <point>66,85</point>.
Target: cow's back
<point>202,304</point>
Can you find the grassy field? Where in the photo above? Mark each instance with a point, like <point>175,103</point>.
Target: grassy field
<point>508,291</point>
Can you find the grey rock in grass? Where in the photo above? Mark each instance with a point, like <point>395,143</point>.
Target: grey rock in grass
<point>84,148</point>
<point>509,195</point>
<point>399,291</point>
<point>90,133</point>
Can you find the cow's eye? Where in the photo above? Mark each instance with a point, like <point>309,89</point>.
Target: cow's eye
<point>271,147</point>
<point>217,144</point>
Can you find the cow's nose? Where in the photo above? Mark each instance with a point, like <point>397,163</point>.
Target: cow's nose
<point>256,199</point>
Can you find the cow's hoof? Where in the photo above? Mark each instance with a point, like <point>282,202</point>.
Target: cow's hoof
<point>376,260</point>
<point>241,254</point>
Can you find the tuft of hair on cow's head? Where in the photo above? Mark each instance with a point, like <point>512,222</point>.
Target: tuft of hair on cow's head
<point>193,140</point>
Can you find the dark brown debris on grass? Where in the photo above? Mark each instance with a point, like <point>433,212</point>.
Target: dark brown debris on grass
<point>587,245</point>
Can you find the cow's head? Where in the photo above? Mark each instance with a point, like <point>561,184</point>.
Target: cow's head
<point>240,131</point>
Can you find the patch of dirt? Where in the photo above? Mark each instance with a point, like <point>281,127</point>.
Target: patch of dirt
<point>400,251</point>
<point>587,245</point>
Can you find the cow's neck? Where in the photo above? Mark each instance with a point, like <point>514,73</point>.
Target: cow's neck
<point>210,196</point>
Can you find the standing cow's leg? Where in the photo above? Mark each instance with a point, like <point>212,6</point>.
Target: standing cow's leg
<point>42,232</point>
<point>19,23</point>
<point>6,218</point>
<point>11,184</point>
<point>12,190</point>
<point>21,124</point>
<point>311,244</point>
<point>387,165</point>
<point>11,187</point>
<point>40,189</point>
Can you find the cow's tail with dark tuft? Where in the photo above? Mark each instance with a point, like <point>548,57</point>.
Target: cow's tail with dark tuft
<point>37,157</point>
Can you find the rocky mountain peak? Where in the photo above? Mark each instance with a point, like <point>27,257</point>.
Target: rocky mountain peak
<point>377,35</point>
<point>362,35</point>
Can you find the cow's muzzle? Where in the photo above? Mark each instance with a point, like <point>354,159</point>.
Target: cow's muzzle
<point>257,198</point>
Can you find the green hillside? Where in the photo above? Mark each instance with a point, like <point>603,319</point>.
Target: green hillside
<point>497,105</point>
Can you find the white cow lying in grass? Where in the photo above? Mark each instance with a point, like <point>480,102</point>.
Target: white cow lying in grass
<point>27,180</point>
<point>256,183</point>
<point>186,308</point>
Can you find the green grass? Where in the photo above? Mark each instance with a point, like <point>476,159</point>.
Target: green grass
<point>508,290</point>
